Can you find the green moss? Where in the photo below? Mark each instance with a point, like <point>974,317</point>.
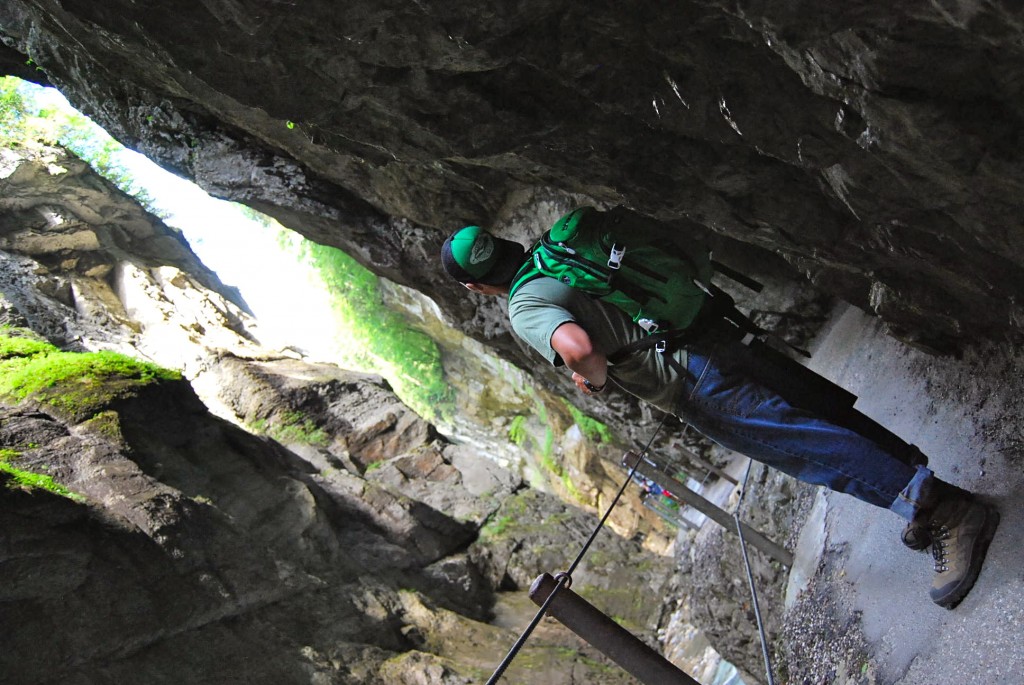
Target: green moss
<point>77,382</point>
<point>591,428</point>
<point>42,371</point>
<point>295,427</point>
<point>20,479</point>
<point>291,427</point>
<point>106,423</point>
<point>495,527</point>
<point>379,338</point>
<point>14,344</point>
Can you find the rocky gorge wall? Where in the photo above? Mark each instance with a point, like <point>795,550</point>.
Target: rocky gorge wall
<point>872,151</point>
<point>317,530</point>
<point>870,148</point>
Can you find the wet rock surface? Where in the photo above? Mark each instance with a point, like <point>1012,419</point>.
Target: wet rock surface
<point>875,149</point>
<point>871,150</point>
<point>316,529</point>
<point>197,550</point>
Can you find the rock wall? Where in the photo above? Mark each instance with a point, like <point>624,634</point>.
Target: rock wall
<point>92,270</point>
<point>874,148</point>
<point>316,530</point>
<point>193,550</point>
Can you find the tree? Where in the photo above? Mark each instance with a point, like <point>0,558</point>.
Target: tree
<point>24,122</point>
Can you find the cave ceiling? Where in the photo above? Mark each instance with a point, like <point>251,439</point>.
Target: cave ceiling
<point>872,148</point>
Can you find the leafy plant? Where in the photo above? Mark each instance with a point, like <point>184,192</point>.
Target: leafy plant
<point>591,428</point>
<point>23,121</point>
<point>517,430</point>
<point>378,338</point>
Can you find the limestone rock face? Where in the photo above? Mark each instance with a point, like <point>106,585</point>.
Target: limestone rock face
<point>87,267</point>
<point>315,530</point>
<point>196,551</point>
<point>875,148</point>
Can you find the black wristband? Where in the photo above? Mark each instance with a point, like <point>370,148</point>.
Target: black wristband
<point>594,388</point>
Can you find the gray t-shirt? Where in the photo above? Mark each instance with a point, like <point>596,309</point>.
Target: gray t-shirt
<point>540,306</point>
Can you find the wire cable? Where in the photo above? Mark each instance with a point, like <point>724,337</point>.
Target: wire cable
<point>564,579</point>
<point>750,579</point>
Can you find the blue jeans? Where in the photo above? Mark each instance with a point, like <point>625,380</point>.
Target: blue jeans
<point>723,402</point>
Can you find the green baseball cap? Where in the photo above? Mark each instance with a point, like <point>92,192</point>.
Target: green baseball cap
<point>472,255</point>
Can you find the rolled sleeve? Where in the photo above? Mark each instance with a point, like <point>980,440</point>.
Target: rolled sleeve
<point>535,321</point>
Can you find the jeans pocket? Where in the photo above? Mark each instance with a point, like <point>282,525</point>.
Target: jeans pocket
<point>727,393</point>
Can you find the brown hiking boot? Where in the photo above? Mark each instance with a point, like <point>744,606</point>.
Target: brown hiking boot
<point>916,535</point>
<point>961,529</point>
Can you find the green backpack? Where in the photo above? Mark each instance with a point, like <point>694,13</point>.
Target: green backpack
<point>612,259</point>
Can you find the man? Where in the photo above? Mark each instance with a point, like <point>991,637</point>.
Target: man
<point>709,383</point>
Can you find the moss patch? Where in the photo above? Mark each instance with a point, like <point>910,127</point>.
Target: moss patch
<point>15,343</point>
<point>79,383</point>
<point>20,479</point>
<point>496,526</point>
<point>106,423</point>
<point>591,428</point>
<point>293,426</point>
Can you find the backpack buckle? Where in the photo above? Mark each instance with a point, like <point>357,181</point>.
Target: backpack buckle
<point>662,346</point>
<point>615,259</point>
<point>649,325</point>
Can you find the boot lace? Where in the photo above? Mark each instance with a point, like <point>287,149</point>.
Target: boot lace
<point>939,536</point>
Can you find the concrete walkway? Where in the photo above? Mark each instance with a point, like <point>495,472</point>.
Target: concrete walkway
<point>966,415</point>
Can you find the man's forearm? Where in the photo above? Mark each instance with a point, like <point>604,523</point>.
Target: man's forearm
<point>574,346</point>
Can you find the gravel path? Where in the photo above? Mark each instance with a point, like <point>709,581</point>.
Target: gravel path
<point>866,606</point>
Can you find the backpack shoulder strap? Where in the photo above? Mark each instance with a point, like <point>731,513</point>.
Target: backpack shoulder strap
<point>527,272</point>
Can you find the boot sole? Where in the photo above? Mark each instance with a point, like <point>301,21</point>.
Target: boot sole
<point>988,531</point>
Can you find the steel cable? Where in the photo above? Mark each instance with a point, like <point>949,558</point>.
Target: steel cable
<point>564,579</point>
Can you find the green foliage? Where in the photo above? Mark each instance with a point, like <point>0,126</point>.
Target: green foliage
<point>74,381</point>
<point>378,337</point>
<point>295,427</point>
<point>496,526</point>
<point>517,430</point>
<point>591,428</point>
<point>14,110</point>
<point>24,121</point>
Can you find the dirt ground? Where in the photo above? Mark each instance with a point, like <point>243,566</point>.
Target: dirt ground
<point>865,615</point>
